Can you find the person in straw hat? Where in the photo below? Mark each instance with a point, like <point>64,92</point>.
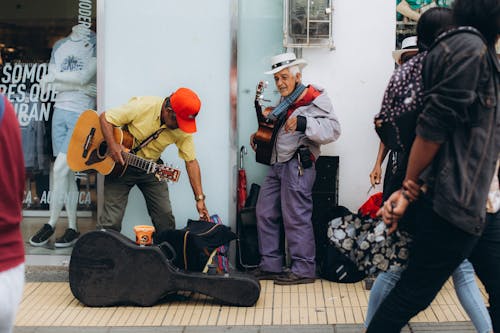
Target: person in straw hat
<point>408,49</point>
<point>304,120</point>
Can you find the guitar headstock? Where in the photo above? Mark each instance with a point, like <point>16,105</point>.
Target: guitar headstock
<point>259,92</point>
<point>165,172</point>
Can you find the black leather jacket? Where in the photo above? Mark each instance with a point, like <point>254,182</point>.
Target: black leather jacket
<point>461,77</point>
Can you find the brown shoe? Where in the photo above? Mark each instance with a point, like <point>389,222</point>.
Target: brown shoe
<point>292,278</point>
<point>265,275</point>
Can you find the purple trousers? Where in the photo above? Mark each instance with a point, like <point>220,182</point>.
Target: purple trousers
<point>287,195</point>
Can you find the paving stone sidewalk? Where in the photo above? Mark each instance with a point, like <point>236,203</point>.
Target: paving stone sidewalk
<point>458,327</point>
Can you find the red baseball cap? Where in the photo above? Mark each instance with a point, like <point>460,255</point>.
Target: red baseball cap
<point>186,106</point>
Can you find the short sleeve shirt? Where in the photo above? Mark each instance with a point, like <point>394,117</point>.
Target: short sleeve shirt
<point>415,5</point>
<point>141,116</point>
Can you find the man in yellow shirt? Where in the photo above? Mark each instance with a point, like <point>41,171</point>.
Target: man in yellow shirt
<point>173,119</point>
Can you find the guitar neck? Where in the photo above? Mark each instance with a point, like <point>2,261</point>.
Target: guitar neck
<point>257,102</point>
<point>139,162</point>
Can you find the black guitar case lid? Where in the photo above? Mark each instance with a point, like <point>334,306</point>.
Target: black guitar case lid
<point>108,269</point>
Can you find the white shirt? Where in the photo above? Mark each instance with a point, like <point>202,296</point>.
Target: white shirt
<point>72,65</point>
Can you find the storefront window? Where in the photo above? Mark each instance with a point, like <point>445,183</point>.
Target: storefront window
<point>408,12</point>
<point>48,71</point>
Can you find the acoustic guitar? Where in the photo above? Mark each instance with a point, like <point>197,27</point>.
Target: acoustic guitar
<point>107,269</point>
<point>264,137</point>
<point>88,150</point>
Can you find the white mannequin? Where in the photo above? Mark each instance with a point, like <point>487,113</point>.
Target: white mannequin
<point>71,73</point>
<point>63,182</point>
<point>80,80</point>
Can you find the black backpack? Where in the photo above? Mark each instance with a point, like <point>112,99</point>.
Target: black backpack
<point>194,245</point>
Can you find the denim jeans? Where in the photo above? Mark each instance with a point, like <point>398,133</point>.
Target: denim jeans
<point>438,249</point>
<point>465,286</point>
<point>63,123</point>
<point>486,260</point>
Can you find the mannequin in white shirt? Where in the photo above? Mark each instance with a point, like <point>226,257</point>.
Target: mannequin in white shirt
<point>72,74</point>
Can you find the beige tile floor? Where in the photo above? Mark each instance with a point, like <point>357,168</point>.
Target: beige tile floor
<point>323,302</point>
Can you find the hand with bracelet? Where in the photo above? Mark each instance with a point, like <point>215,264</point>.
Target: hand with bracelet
<point>202,209</point>
<point>395,207</point>
<point>411,190</point>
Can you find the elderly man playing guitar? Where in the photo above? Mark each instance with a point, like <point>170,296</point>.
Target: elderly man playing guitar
<point>302,121</point>
<point>155,123</point>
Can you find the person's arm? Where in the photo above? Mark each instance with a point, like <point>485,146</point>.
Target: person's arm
<point>421,155</point>
<point>252,142</point>
<point>194,174</point>
<point>114,148</point>
<point>319,125</point>
<point>376,174</point>
<point>404,9</point>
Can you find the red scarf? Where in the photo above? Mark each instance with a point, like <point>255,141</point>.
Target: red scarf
<point>311,94</point>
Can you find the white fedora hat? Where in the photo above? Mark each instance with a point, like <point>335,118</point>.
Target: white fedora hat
<point>409,44</point>
<point>285,60</point>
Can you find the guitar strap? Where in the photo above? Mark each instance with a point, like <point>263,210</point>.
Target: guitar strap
<point>150,138</point>
<point>287,101</point>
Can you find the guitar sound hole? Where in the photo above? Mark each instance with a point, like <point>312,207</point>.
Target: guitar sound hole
<point>103,149</point>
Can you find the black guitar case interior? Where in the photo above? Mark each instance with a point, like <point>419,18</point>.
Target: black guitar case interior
<point>108,269</point>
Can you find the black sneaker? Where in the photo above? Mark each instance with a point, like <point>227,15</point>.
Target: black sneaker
<point>68,239</point>
<point>42,236</point>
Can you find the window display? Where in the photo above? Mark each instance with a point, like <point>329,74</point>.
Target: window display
<point>407,14</point>
<point>48,71</point>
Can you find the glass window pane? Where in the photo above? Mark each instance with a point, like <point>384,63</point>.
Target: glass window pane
<point>48,71</point>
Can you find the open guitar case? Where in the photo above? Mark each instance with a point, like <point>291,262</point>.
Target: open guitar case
<point>108,269</point>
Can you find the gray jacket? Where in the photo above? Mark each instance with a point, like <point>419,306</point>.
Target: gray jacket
<point>461,111</point>
<point>322,127</point>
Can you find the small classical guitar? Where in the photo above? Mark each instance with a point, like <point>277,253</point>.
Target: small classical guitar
<point>264,137</point>
<point>88,151</point>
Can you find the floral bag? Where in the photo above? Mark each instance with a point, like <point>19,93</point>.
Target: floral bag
<point>364,241</point>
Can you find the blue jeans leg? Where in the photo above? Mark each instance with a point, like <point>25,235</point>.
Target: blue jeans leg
<point>470,297</point>
<point>382,286</point>
<point>486,261</point>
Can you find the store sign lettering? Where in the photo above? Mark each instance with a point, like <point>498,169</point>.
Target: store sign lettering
<point>85,15</point>
<point>21,84</point>
<point>84,198</point>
